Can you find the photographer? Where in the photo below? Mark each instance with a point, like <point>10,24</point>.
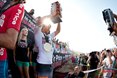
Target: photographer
<point>114,27</point>
<point>108,63</point>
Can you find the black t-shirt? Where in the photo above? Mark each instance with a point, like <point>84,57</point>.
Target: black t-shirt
<point>21,51</point>
<point>80,75</point>
<point>94,62</point>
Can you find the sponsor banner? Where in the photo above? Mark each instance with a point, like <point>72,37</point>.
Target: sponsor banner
<point>29,21</point>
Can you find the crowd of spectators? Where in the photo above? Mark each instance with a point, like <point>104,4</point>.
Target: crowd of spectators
<point>104,63</point>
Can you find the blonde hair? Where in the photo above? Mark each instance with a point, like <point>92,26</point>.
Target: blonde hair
<point>20,34</point>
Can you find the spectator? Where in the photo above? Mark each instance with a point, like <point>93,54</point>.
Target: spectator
<point>76,60</point>
<point>73,59</point>
<point>115,63</point>
<point>9,27</point>
<point>31,12</point>
<point>22,53</point>
<point>93,61</point>
<point>108,62</point>
<point>77,73</point>
<point>102,57</point>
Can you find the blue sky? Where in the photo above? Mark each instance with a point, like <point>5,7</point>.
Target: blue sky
<point>83,26</point>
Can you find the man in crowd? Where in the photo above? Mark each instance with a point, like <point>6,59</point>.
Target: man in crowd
<point>10,21</point>
<point>43,40</point>
<point>115,63</point>
<point>108,63</point>
<point>77,73</point>
<point>114,28</point>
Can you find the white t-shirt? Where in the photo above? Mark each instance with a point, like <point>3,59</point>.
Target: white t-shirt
<point>108,66</point>
<point>43,56</point>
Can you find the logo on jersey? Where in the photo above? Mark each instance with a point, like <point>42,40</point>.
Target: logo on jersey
<point>16,16</point>
<point>2,20</point>
<point>1,51</point>
<point>19,11</point>
<point>21,6</point>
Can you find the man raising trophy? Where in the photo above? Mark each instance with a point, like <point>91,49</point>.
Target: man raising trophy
<point>44,40</point>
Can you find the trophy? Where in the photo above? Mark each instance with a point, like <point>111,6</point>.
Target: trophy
<point>56,12</point>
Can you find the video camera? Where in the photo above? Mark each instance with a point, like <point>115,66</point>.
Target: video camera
<point>109,19</point>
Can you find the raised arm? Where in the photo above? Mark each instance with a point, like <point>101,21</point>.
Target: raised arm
<point>58,29</point>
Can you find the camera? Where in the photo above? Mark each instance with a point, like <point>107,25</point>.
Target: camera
<point>109,19</point>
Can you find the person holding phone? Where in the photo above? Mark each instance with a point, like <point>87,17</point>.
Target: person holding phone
<point>108,64</point>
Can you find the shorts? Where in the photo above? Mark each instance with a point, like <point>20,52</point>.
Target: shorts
<point>22,64</point>
<point>4,69</point>
<point>45,70</point>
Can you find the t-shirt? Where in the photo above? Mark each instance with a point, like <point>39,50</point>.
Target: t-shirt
<point>43,56</point>
<point>93,62</point>
<point>11,18</point>
<point>22,51</point>
<point>73,59</point>
<point>108,66</point>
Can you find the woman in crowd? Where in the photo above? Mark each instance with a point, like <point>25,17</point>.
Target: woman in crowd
<point>93,61</point>
<point>22,53</point>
